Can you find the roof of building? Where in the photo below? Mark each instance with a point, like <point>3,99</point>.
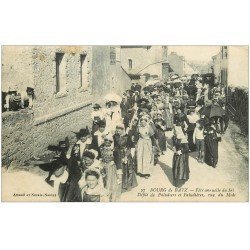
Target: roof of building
<point>135,46</point>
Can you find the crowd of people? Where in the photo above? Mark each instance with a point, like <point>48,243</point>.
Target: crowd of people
<point>128,136</point>
<point>14,100</point>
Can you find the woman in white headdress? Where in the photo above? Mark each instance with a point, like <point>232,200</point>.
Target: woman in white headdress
<point>112,116</point>
<point>116,115</point>
<point>93,191</point>
<point>97,116</point>
<point>144,149</point>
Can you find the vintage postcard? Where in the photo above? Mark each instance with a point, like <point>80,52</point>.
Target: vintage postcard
<point>124,123</point>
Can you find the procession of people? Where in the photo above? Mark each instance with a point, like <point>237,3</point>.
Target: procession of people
<point>129,134</point>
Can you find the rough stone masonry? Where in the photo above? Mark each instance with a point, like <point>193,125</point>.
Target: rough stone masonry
<point>55,113</point>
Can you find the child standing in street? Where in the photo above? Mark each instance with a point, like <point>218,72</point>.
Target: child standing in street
<point>198,139</point>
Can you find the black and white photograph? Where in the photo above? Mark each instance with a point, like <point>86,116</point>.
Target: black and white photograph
<point>124,123</point>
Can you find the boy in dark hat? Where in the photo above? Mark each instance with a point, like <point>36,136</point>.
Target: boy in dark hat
<point>191,104</point>
<point>128,117</point>
<point>144,103</point>
<point>133,88</point>
<point>88,158</point>
<point>131,98</point>
<point>98,137</point>
<point>84,140</point>
<point>124,106</point>
<point>137,87</point>
<point>58,181</point>
<point>97,115</point>
<point>90,162</point>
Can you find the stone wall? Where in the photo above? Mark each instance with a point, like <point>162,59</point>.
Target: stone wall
<point>238,66</point>
<point>176,63</point>
<point>143,57</point>
<point>17,137</point>
<point>17,69</point>
<point>48,101</point>
<point>101,78</point>
<point>106,77</point>
<point>55,130</point>
<point>238,99</point>
<point>217,66</point>
<point>22,138</point>
<point>56,114</point>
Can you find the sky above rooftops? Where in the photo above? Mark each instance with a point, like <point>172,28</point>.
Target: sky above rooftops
<point>195,53</point>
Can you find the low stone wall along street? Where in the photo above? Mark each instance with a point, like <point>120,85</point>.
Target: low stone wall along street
<point>238,104</point>
<point>24,137</point>
<point>56,129</point>
<point>67,80</point>
<point>17,137</point>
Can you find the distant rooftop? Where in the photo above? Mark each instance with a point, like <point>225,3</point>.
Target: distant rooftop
<point>135,46</point>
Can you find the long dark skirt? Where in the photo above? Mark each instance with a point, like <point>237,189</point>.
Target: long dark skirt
<point>180,169</point>
<point>128,175</point>
<point>191,144</point>
<point>70,192</point>
<point>211,151</point>
<point>95,127</point>
<point>161,140</point>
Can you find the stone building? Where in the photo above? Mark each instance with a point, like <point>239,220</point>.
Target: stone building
<point>145,60</point>
<point>216,66</point>
<point>230,65</point>
<point>66,80</point>
<point>179,65</point>
<point>108,74</point>
<point>236,61</point>
<point>17,70</point>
